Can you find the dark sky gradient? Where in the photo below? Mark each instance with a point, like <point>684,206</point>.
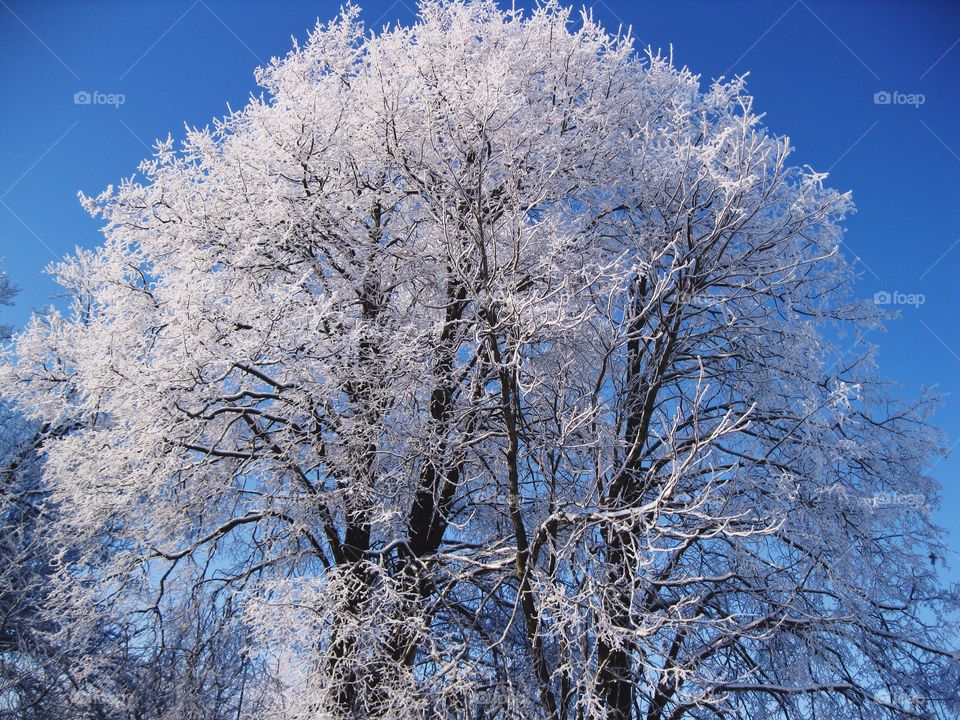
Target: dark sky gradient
<point>815,67</point>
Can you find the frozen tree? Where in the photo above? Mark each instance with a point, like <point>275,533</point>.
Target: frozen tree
<point>197,671</point>
<point>27,677</point>
<point>486,368</point>
<point>7,292</point>
<point>32,674</point>
<point>29,667</point>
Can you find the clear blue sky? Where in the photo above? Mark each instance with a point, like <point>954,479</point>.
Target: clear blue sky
<point>815,67</point>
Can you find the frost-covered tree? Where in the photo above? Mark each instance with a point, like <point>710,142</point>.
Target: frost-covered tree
<point>485,368</point>
<point>196,669</point>
<point>29,667</point>
<point>8,290</point>
<point>28,672</point>
<point>33,675</point>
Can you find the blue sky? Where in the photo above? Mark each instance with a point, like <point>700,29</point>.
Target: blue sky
<point>816,68</point>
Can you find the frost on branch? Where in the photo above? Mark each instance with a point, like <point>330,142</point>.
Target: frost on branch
<point>484,368</point>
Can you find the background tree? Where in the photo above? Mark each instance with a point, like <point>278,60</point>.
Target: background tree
<point>54,667</point>
<point>491,370</point>
<point>8,291</point>
<point>29,671</point>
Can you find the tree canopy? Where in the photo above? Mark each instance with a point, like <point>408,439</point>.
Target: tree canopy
<point>480,368</point>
